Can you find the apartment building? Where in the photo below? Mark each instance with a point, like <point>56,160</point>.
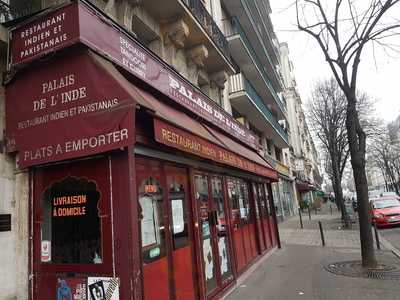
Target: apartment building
<point>256,92</point>
<point>304,161</point>
<point>144,145</point>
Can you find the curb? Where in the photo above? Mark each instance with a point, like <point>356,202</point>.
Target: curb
<point>389,246</point>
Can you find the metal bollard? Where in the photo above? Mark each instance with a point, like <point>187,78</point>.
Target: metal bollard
<point>309,212</point>
<point>378,244</point>
<point>301,220</point>
<point>330,206</point>
<point>322,233</point>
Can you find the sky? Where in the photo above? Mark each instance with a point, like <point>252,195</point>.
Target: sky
<point>378,77</point>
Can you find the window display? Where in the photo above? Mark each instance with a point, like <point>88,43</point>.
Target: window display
<point>152,223</point>
<point>180,227</point>
<point>71,226</point>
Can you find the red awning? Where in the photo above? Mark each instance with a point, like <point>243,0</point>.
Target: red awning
<point>185,133</point>
<point>159,108</point>
<point>238,148</point>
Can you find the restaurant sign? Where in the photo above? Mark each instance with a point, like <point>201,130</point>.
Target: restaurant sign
<point>70,108</point>
<point>76,22</point>
<point>180,139</point>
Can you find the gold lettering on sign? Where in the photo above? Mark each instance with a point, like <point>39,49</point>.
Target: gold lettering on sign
<point>69,211</point>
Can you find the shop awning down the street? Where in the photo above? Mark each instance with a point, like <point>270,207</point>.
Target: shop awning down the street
<point>178,130</point>
<point>303,186</point>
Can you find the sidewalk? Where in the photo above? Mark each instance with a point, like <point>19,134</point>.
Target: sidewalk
<point>296,271</point>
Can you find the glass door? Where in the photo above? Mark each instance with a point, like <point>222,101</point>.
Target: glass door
<point>214,241</point>
<point>221,228</point>
<point>182,251</point>
<point>153,230</point>
<point>259,217</point>
<point>166,233</point>
<point>206,233</point>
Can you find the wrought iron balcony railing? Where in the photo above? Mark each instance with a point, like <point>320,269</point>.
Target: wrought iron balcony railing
<point>233,27</point>
<point>5,14</point>
<point>206,20</point>
<point>239,83</point>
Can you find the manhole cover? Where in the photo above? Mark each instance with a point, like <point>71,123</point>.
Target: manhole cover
<point>355,269</point>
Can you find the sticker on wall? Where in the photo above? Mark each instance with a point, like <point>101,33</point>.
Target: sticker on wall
<point>71,289</point>
<point>103,288</point>
<point>154,252</point>
<point>45,251</point>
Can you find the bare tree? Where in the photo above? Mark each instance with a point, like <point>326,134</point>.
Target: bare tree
<point>326,113</point>
<point>342,29</point>
<point>385,155</point>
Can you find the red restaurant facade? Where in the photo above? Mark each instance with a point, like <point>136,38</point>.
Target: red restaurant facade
<point>140,186</point>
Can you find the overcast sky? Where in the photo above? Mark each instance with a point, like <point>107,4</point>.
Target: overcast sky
<point>380,80</point>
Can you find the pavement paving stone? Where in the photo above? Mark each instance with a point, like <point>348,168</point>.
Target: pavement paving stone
<point>296,272</point>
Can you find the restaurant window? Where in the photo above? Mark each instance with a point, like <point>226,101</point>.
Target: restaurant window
<point>268,199</point>
<point>71,226</point>
<point>239,196</point>
<point>244,201</point>
<point>151,218</point>
<point>180,230</point>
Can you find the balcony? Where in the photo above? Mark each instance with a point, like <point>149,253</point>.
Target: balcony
<point>203,30</point>
<point>246,57</point>
<point>5,13</point>
<point>256,24</point>
<point>278,166</point>
<point>245,99</point>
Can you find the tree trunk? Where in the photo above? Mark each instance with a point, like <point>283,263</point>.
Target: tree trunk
<point>337,189</point>
<point>357,145</point>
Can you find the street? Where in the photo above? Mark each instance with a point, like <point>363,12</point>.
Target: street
<point>392,235</point>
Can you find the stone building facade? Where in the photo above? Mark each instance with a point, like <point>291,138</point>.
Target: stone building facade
<point>225,48</point>
<point>304,160</point>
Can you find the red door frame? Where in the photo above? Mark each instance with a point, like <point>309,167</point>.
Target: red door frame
<point>251,225</point>
<point>143,170</point>
<point>221,285</point>
<point>43,177</point>
<point>166,168</point>
<point>258,215</point>
<point>182,171</point>
<point>276,240</point>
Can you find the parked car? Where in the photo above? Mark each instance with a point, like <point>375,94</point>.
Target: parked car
<point>385,211</point>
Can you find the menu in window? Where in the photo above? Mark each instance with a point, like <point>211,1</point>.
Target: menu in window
<point>177,215</point>
<point>149,221</point>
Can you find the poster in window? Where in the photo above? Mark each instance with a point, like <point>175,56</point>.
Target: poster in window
<point>149,221</point>
<point>103,288</point>
<point>208,259</point>
<point>71,289</point>
<point>177,215</point>
<point>223,255</point>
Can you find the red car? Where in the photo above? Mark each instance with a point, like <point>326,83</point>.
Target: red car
<point>385,211</point>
